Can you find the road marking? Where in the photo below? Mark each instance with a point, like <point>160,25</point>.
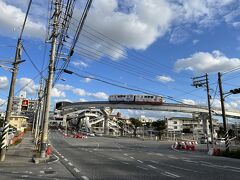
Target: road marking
<point>124,162</point>
<point>65,159</point>
<point>204,162</point>
<point>190,161</point>
<point>132,157</point>
<point>125,154</point>
<point>111,159</point>
<point>172,157</point>
<point>90,151</point>
<point>142,167</point>
<point>152,166</point>
<point>41,172</point>
<point>175,175</point>
<point>176,167</point>
<point>85,177</point>
<point>15,172</point>
<point>70,164</point>
<point>139,161</point>
<point>62,156</point>
<point>59,154</point>
<point>77,170</point>
<point>159,154</point>
<point>231,167</point>
<point>24,176</point>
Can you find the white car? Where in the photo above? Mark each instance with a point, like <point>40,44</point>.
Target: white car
<point>220,141</point>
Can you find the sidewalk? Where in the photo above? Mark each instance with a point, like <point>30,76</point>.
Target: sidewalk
<point>19,165</point>
<point>21,154</point>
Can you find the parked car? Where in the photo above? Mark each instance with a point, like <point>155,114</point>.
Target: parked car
<point>203,140</point>
<point>220,141</point>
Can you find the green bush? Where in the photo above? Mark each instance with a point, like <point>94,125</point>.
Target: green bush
<point>232,154</point>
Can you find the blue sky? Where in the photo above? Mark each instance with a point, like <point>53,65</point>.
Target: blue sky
<point>153,45</point>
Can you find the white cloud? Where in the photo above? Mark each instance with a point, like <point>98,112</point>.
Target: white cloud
<point>3,82</point>
<point>28,85</point>
<point>63,87</point>
<point>87,80</point>
<point>80,64</point>
<point>99,95</point>
<point>164,79</point>
<point>189,101</point>
<point>202,62</point>
<point>57,93</point>
<point>61,99</point>
<point>80,92</point>
<point>82,100</point>
<point>11,21</point>
<point>195,41</point>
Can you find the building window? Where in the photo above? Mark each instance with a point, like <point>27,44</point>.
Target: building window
<point>175,122</point>
<point>175,127</point>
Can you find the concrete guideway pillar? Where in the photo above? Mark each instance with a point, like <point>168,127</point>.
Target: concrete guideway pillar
<point>106,113</point>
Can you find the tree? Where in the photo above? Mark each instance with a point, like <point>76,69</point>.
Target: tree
<point>160,126</point>
<point>121,124</point>
<point>135,124</point>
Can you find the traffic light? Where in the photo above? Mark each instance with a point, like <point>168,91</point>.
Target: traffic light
<point>25,104</point>
<point>235,91</point>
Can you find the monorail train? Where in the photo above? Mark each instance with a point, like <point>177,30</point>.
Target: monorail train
<point>137,99</point>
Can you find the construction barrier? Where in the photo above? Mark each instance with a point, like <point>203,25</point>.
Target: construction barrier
<point>185,145</point>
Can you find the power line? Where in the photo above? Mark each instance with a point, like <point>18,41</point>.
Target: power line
<point>29,5</point>
<point>26,85</point>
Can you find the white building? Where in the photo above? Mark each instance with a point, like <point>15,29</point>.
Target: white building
<point>23,106</point>
<point>190,125</point>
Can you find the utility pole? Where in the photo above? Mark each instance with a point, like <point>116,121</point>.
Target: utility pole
<point>49,82</point>
<point>4,139</point>
<point>39,113</point>
<point>223,113</point>
<point>200,82</point>
<point>17,60</point>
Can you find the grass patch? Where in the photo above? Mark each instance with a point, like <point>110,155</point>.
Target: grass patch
<point>18,141</point>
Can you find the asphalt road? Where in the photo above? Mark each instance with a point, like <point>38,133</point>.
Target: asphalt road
<point>133,159</point>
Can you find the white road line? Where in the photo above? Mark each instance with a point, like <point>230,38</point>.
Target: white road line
<point>15,172</point>
<point>168,175</point>
<point>85,177</point>
<point>159,154</point>
<point>59,154</point>
<point>205,162</point>
<point>124,162</point>
<point>172,157</point>
<point>65,159</point>
<point>125,154</point>
<point>132,157</point>
<point>111,159</point>
<point>231,167</point>
<point>175,175</point>
<point>24,176</point>
<point>142,167</point>
<point>70,164</point>
<point>139,161</point>
<point>152,166</point>
<point>41,172</point>
<point>77,170</point>
<point>62,156</point>
<point>189,161</point>
<point>90,151</point>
